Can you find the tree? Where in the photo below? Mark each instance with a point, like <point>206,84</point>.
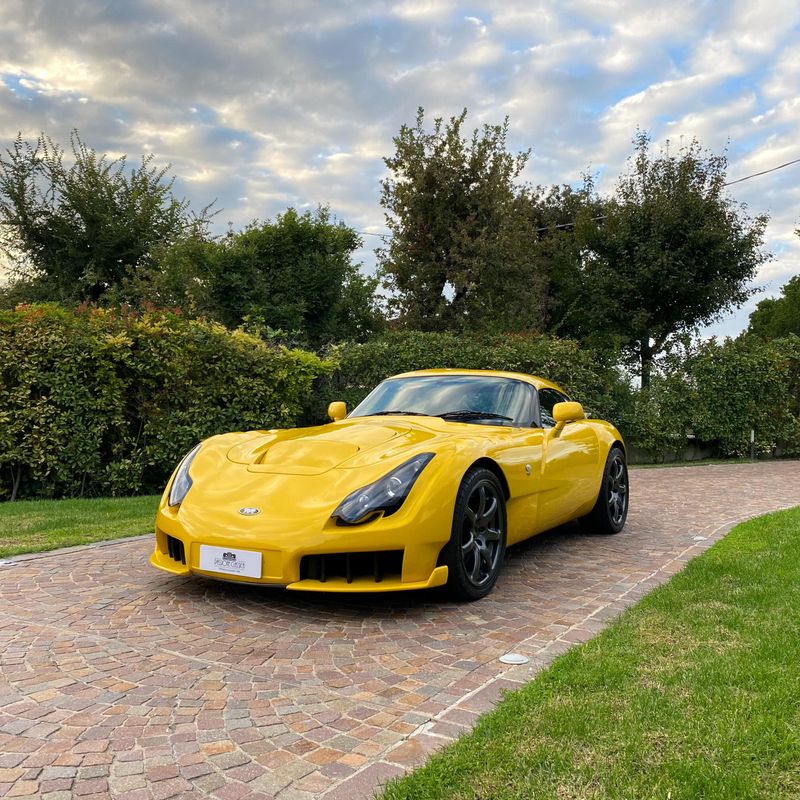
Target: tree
<point>180,276</point>
<point>556,253</point>
<point>672,252</point>
<point>296,274</point>
<point>76,231</point>
<point>778,317</point>
<point>459,255</point>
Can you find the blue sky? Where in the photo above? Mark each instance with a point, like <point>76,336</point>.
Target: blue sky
<point>263,105</point>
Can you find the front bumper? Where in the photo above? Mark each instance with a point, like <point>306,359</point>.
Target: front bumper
<point>284,556</point>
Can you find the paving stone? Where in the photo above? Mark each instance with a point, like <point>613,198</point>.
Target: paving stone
<point>172,787</point>
<point>96,771</point>
<point>126,783</point>
<point>123,769</point>
<point>81,788</point>
<point>364,784</point>
<point>161,773</point>
<point>55,785</point>
<point>193,688</point>
<point>23,788</point>
<point>228,760</point>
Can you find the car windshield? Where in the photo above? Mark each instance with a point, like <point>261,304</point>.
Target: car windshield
<point>482,399</point>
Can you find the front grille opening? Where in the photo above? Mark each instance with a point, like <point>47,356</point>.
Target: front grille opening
<point>176,550</point>
<point>348,566</point>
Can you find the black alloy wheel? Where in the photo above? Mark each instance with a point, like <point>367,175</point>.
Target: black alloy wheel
<point>611,509</point>
<point>474,555</point>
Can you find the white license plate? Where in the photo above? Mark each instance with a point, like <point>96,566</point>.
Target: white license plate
<point>230,561</point>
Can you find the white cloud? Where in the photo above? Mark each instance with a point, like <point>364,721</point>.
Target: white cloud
<point>264,105</point>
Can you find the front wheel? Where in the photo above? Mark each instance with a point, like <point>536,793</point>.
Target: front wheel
<point>611,509</point>
<point>474,555</point>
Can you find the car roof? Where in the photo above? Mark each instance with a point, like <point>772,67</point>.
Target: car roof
<point>539,383</point>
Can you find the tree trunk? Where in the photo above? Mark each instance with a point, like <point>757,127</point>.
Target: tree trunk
<point>15,479</point>
<point>646,358</point>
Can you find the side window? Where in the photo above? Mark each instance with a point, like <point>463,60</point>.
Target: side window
<point>547,399</point>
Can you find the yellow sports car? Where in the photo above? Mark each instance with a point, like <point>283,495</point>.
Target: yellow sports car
<point>425,483</point>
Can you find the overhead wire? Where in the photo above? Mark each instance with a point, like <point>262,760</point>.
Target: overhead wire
<point>763,172</point>
<point>385,236</point>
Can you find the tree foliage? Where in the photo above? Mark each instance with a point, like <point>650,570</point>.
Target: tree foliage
<point>297,274</point>
<point>556,252</point>
<point>777,317</point>
<point>75,231</point>
<point>673,252</point>
<point>459,256</point>
<point>294,274</point>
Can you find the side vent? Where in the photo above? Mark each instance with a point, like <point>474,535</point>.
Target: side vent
<point>176,550</point>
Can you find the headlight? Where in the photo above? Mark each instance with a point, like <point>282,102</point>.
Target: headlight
<point>386,494</point>
<point>182,481</point>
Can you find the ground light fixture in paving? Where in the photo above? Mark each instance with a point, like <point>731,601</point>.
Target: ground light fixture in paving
<point>117,681</point>
<point>513,659</point>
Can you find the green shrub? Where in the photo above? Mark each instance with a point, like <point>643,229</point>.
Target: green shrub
<point>100,402</point>
<point>746,384</point>
<point>719,392</point>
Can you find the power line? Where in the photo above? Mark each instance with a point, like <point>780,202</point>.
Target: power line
<point>568,224</point>
<point>729,183</point>
<point>385,236</point>
<point>763,172</point>
<point>369,233</point>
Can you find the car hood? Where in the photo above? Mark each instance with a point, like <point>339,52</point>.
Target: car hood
<point>298,476</point>
<point>349,443</point>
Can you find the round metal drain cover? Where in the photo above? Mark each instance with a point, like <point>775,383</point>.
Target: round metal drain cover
<point>514,658</point>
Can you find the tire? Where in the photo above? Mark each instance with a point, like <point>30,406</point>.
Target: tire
<point>476,551</point>
<point>611,509</point>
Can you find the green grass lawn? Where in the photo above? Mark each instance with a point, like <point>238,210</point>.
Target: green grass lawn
<point>693,693</point>
<point>32,526</point>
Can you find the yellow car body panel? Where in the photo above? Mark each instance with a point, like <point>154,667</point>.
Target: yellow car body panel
<point>296,478</point>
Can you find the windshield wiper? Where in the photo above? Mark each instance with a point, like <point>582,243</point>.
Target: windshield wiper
<point>399,413</point>
<point>467,414</point>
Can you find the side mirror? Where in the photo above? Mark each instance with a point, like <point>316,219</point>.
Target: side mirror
<point>567,412</point>
<point>337,410</point>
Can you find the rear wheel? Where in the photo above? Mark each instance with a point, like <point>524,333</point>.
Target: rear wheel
<point>474,555</point>
<point>611,509</point>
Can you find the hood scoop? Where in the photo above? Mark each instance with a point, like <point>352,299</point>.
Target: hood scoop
<point>310,451</point>
<point>305,457</point>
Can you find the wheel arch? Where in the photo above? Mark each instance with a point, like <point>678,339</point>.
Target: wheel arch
<point>609,438</point>
<point>492,466</point>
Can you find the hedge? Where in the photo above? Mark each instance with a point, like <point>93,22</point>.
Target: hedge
<point>590,377</point>
<point>94,401</point>
<point>714,392</point>
<point>718,392</point>
<point>97,401</point>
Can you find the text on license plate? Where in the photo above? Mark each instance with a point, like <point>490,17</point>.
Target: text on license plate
<point>230,561</point>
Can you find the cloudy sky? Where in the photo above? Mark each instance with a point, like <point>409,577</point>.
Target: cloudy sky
<point>263,105</point>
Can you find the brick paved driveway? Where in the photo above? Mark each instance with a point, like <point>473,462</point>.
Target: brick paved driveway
<point>118,681</point>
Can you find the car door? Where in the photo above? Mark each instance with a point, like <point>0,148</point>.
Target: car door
<point>569,465</point>
<point>518,451</point>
